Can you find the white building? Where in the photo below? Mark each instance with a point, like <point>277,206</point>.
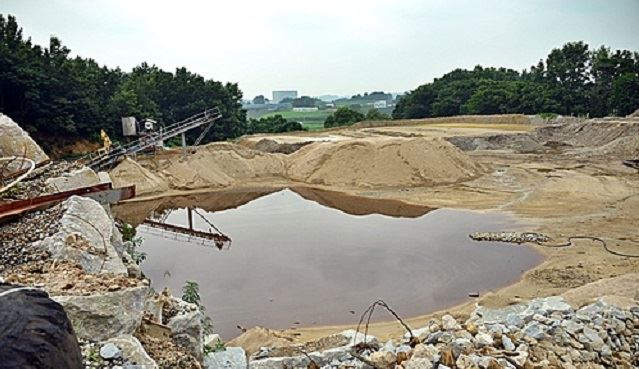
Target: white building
<point>380,104</point>
<point>278,96</point>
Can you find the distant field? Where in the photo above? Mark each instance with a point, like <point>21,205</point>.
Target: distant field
<point>312,120</point>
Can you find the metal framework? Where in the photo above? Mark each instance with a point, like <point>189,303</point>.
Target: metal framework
<point>100,161</point>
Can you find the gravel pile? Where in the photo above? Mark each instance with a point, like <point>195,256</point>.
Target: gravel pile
<point>513,237</point>
<point>16,237</point>
<point>543,333</point>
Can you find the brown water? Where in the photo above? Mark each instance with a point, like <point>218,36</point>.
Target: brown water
<point>294,261</point>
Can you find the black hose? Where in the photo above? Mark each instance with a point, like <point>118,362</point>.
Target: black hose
<point>603,243</point>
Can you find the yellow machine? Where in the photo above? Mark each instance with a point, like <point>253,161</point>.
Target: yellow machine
<point>106,143</point>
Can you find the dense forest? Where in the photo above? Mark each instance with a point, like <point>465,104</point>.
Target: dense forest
<point>60,99</point>
<point>573,80</point>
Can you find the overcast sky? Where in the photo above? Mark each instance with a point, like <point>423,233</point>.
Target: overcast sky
<point>331,46</point>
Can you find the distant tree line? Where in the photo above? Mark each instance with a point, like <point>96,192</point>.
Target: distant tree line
<point>345,116</point>
<point>573,80</point>
<point>60,99</point>
<point>274,124</point>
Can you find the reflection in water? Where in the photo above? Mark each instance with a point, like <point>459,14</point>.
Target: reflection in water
<point>157,224</point>
<point>294,260</point>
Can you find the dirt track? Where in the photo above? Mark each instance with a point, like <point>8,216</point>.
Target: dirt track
<point>566,181</point>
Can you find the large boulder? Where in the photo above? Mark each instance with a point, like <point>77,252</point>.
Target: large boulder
<point>16,141</point>
<point>75,179</point>
<point>85,237</point>
<point>35,331</point>
<point>105,315</point>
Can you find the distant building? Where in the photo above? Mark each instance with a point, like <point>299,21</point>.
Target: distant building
<point>281,95</point>
<point>380,104</point>
<point>315,108</point>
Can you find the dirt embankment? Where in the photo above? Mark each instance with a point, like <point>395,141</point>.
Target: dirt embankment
<point>597,137</point>
<point>468,119</point>
<point>365,163</point>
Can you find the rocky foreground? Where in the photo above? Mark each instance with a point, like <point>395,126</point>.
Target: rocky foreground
<point>543,333</point>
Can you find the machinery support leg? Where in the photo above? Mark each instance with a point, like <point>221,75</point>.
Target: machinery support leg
<point>184,144</point>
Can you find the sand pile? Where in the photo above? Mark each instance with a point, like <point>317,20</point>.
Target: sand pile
<point>378,162</point>
<point>214,165</point>
<point>130,172</point>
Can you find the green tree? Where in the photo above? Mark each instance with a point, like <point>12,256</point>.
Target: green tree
<point>343,116</point>
<point>375,114</point>
<point>274,124</point>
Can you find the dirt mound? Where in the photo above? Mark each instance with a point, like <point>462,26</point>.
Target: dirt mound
<point>214,165</point>
<point>596,132</point>
<point>522,142</point>
<point>378,162</point>
<point>130,172</point>
<point>623,147</point>
<point>272,146</point>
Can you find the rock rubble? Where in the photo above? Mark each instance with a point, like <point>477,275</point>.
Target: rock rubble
<point>542,333</point>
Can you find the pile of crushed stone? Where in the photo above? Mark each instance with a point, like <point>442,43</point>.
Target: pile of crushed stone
<point>17,237</point>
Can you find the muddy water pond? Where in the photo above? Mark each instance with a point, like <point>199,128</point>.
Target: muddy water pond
<point>296,261</point>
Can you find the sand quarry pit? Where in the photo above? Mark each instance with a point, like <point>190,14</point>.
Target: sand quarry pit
<point>560,178</point>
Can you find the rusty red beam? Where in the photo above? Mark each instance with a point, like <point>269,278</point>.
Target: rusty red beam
<point>17,208</point>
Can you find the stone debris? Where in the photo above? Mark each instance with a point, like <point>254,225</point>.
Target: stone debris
<point>512,237</point>
<point>542,333</point>
<point>16,238</point>
<point>67,278</point>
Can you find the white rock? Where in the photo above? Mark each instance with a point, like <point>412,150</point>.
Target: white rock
<point>133,351</point>
<point>187,328</point>
<point>14,141</point>
<point>84,221</point>
<point>507,343</point>
<point>483,340</point>
<point>417,363</point>
<point>109,351</point>
<point>449,323</point>
<point>75,179</point>
<point>99,317</point>
<point>231,358</point>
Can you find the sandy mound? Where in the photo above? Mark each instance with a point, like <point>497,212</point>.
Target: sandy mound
<point>214,165</point>
<point>129,172</point>
<point>381,163</point>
